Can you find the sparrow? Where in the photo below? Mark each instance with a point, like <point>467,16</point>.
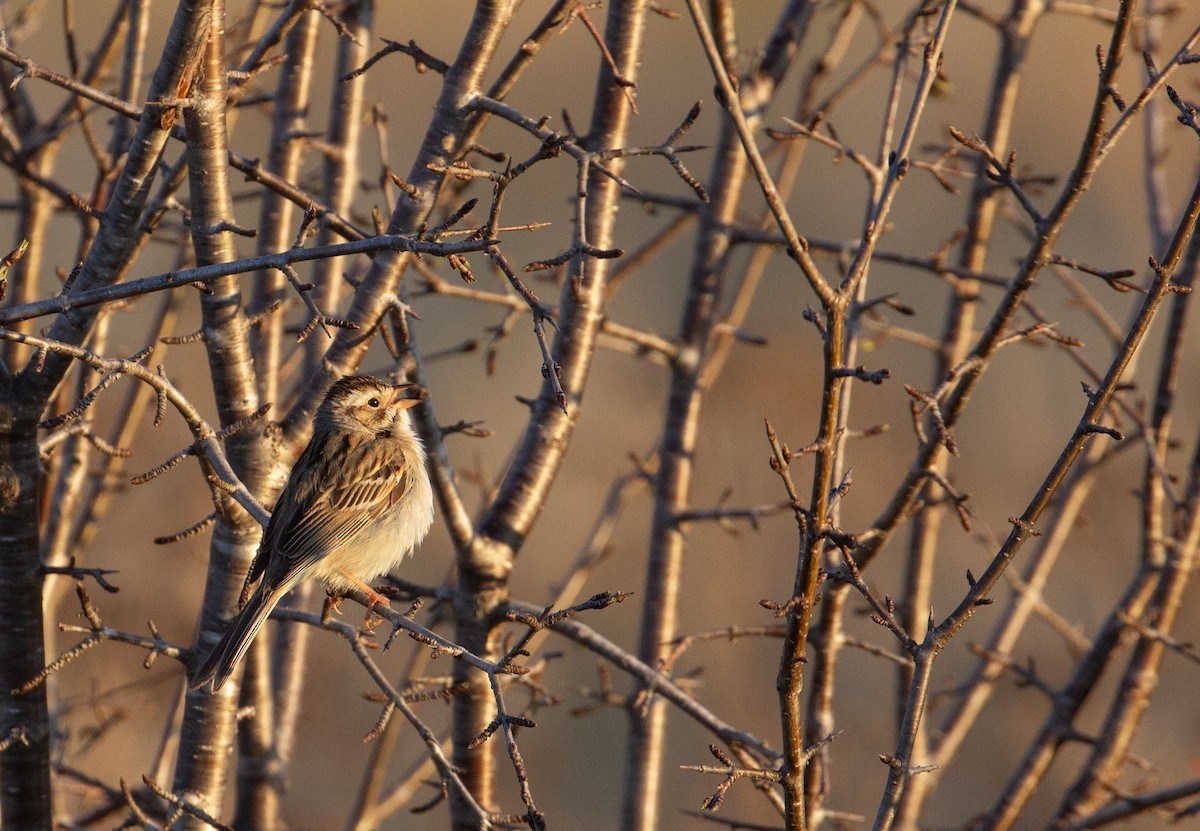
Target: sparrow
<point>356,503</point>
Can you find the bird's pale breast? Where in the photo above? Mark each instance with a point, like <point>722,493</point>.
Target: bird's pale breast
<point>380,546</point>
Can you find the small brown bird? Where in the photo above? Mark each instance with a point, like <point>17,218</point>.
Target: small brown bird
<point>357,501</point>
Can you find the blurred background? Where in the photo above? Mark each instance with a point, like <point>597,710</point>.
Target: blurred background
<point>115,713</point>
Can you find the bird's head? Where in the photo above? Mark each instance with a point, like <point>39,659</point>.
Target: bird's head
<point>362,404</point>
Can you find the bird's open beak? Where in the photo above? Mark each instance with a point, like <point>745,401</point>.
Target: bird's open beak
<point>407,395</point>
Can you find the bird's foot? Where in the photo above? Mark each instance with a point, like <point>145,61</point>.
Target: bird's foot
<point>374,599</point>
<point>333,604</point>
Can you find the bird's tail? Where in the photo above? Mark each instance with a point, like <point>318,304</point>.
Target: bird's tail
<point>224,658</point>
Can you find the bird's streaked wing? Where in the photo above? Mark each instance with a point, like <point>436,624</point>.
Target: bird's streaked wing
<point>359,485</point>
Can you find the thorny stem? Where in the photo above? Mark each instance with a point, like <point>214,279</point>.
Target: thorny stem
<point>961,384</point>
<point>136,288</point>
<point>209,725</point>
<point>1041,751</point>
<point>1015,33</point>
<point>1023,528</point>
<point>206,436</point>
<point>691,376</point>
<point>797,247</point>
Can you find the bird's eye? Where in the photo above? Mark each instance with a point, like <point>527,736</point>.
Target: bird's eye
<point>373,403</point>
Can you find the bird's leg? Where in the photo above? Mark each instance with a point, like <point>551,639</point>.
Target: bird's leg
<point>374,599</point>
<point>332,606</point>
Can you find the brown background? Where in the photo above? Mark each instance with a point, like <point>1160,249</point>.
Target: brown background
<point>1022,414</point>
